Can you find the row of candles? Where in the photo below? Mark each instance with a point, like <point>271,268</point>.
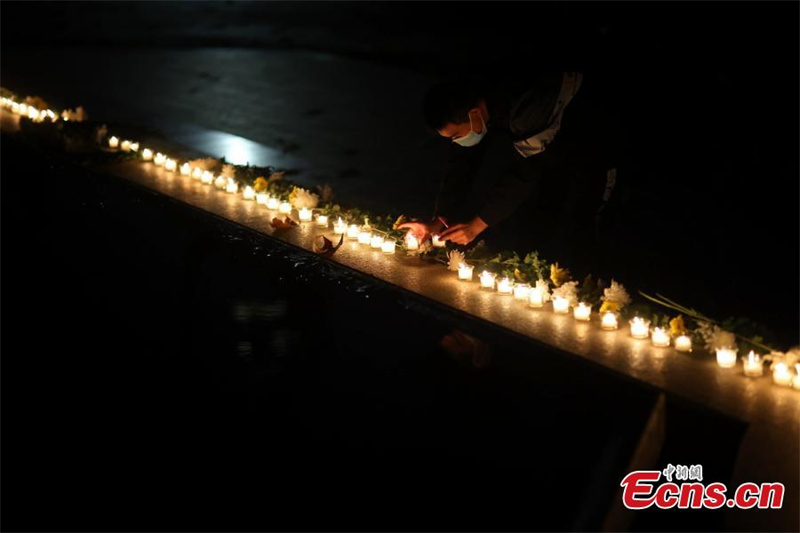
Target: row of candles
<point>753,364</point>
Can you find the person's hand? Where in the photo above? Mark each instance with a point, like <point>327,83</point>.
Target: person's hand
<point>421,230</point>
<point>464,233</point>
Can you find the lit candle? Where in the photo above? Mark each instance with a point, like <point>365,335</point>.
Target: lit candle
<point>248,193</point>
<point>113,142</point>
<point>197,173</point>
<point>438,243</point>
<point>726,357</point>
<point>796,380</point>
<point>220,182</point>
<point>262,198</point>
<point>322,221</point>
<point>582,312</point>
<point>340,228</point>
<point>273,204</point>
<point>170,165</point>
<point>388,247</point>
<point>285,208</point>
<point>609,321</point>
<point>126,146</point>
<point>376,241</point>
<point>465,271</point>
<point>560,305</point>
<point>781,375</point>
<point>23,110</point>
<point>753,365</point>
<point>353,231</point>
<point>305,214</point>
<point>232,187</point>
<point>504,286</point>
<point>535,297</point>
<point>364,237</point>
<point>207,177</point>
<point>412,243</point>
<point>640,328</point>
<point>660,337</point>
<point>683,343</point>
<point>186,169</point>
<point>521,291</point>
<point>159,159</point>
<point>147,154</point>
<point>487,280</point>
<point>134,147</point>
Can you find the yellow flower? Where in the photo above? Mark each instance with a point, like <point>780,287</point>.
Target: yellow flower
<point>400,220</point>
<point>614,307</point>
<point>520,276</point>
<point>558,275</point>
<point>677,327</point>
<point>260,184</point>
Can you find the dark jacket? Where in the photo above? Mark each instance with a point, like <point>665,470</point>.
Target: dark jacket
<point>518,108</point>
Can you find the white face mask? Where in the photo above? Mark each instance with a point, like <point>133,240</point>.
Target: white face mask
<point>471,138</point>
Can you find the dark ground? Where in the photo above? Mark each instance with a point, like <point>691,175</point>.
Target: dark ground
<point>165,370</point>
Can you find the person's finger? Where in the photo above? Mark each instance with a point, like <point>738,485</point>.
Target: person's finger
<point>409,225</point>
<point>450,231</point>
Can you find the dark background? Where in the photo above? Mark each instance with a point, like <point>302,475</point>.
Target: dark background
<point>146,385</point>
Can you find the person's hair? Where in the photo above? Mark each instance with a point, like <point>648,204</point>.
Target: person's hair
<point>450,101</point>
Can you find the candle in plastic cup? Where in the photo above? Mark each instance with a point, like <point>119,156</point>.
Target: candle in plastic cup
<point>388,247</point>
<point>353,231</point>
<point>438,243</point>
<point>582,312</point>
<point>504,286</point>
<point>248,193</point>
<point>340,228</point>
<point>487,279</point>
<point>753,365</point>
<point>186,169</point>
<point>560,305</point>
<point>535,297</point>
<point>147,154</point>
<point>521,291</point>
<point>609,321</point>
<point>640,328</point>
<point>285,208</point>
<point>376,241</point>
<point>273,204</point>
<point>304,214</point>
<point>781,375</point>
<point>231,187</point>
<point>126,146</point>
<point>364,237</point>
<point>220,182</point>
<point>197,173</point>
<point>113,142</point>
<point>134,147</point>
<point>726,357</point>
<point>660,337</point>
<point>159,159</point>
<point>170,165</point>
<point>683,343</point>
<point>322,221</point>
<point>207,177</point>
<point>465,272</point>
<point>412,243</point>
<point>262,198</point>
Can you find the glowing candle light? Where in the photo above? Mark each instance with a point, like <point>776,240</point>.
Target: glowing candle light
<point>726,357</point>
<point>197,173</point>
<point>231,187</point>
<point>364,237</point>
<point>262,198</point>
<point>33,114</point>
<point>285,208</point>
<point>376,241</point>
<point>609,321</point>
<point>113,142</point>
<point>683,343</point>
<point>465,272</point>
<point>536,297</point>
<point>305,214</point>
<point>388,247</point>
<point>560,305</point>
<point>170,165</point>
<point>437,242</point>
<point>322,221</point>
<point>207,177</point>
<point>504,286</point>
<point>248,193</point>
<point>521,291</point>
<point>660,337</point>
<point>753,365</point>
<point>582,312</point>
<point>186,169</point>
<point>126,146</point>
<point>159,159</point>
<point>640,328</point>
<point>412,243</point>
<point>781,375</point>
<point>340,228</point>
<point>273,204</point>
<point>220,182</point>
<point>487,280</point>
<point>147,154</point>
<point>23,110</point>
<point>353,231</point>
<point>134,147</point>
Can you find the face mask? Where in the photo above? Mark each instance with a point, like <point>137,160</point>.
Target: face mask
<point>471,138</point>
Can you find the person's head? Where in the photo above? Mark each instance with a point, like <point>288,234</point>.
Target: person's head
<point>456,110</point>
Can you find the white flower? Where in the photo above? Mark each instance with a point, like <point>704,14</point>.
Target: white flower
<point>304,198</point>
<point>543,286</point>
<point>455,258</point>
<point>568,291</point>
<point>208,163</point>
<point>616,293</point>
<point>228,171</point>
<point>715,337</point>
